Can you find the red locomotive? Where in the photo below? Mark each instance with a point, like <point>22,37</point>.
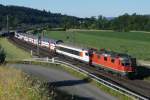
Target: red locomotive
<point>122,64</point>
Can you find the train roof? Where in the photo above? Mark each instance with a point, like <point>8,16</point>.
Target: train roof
<point>48,40</point>
<point>113,54</point>
<point>36,37</point>
<point>74,47</point>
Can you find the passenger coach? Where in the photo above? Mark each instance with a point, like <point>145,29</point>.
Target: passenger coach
<point>73,52</point>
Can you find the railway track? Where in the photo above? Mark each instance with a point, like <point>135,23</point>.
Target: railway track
<point>43,52</point>
<point>138,86</point>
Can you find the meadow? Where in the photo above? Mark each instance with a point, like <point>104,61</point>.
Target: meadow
<point>13,52</point>
<point>133,43</point>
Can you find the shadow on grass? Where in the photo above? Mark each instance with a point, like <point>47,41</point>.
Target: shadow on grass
<point>68,82</point>
<point>57,94</point>
<point>143,72</point>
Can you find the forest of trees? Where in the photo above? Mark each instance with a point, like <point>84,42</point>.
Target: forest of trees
<point>27,17</point>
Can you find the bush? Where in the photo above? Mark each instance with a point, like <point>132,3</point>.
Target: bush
<point>2,55</point>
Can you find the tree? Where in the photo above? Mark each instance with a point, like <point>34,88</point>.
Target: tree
<point>102,22</point>
<point>2,55</point>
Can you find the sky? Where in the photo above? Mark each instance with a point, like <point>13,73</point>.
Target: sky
<point>86,8</point>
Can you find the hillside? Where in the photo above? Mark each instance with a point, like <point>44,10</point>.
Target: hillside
<point>25,18</point>
<point>28,16</point>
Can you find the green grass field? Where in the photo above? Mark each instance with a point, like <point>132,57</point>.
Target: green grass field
<point>13,52</point>
<point>136,44</point>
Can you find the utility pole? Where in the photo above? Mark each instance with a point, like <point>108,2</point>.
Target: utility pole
<point>43,33</point>
<point>73,37</point>
<point>38,44</point>
<point>7,24</point>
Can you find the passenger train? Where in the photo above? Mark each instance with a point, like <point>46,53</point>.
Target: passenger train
<point>120,64</point>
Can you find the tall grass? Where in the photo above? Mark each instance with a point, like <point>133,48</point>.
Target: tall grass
<point>15,85</point>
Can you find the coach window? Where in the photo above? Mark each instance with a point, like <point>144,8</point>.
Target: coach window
<point>87,54</point>
<point>105,58</point>
<point>76,53</point>
<point>69,51</point>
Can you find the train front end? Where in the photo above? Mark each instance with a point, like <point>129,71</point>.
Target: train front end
<point>129,66</point>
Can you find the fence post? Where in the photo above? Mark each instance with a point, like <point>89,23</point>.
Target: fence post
<point>53,60</point>
<point>47,59</point>
<point>31,52</point>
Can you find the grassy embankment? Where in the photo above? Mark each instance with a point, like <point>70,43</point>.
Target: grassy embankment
<point>13,52</point>
<point>15,85</point>
<point>134,43</point>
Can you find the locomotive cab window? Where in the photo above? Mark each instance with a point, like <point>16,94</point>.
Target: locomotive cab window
<point>125,64</point>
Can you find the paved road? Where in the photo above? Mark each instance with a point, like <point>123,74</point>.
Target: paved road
<point>66,82</point>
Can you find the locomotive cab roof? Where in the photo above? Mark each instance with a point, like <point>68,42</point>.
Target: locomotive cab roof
<point>59,41</point>
<point>113,54</point>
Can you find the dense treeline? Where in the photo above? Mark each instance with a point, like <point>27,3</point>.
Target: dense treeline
<point>22,16</point>
<point>28,17</point>
<point>131,22</point>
